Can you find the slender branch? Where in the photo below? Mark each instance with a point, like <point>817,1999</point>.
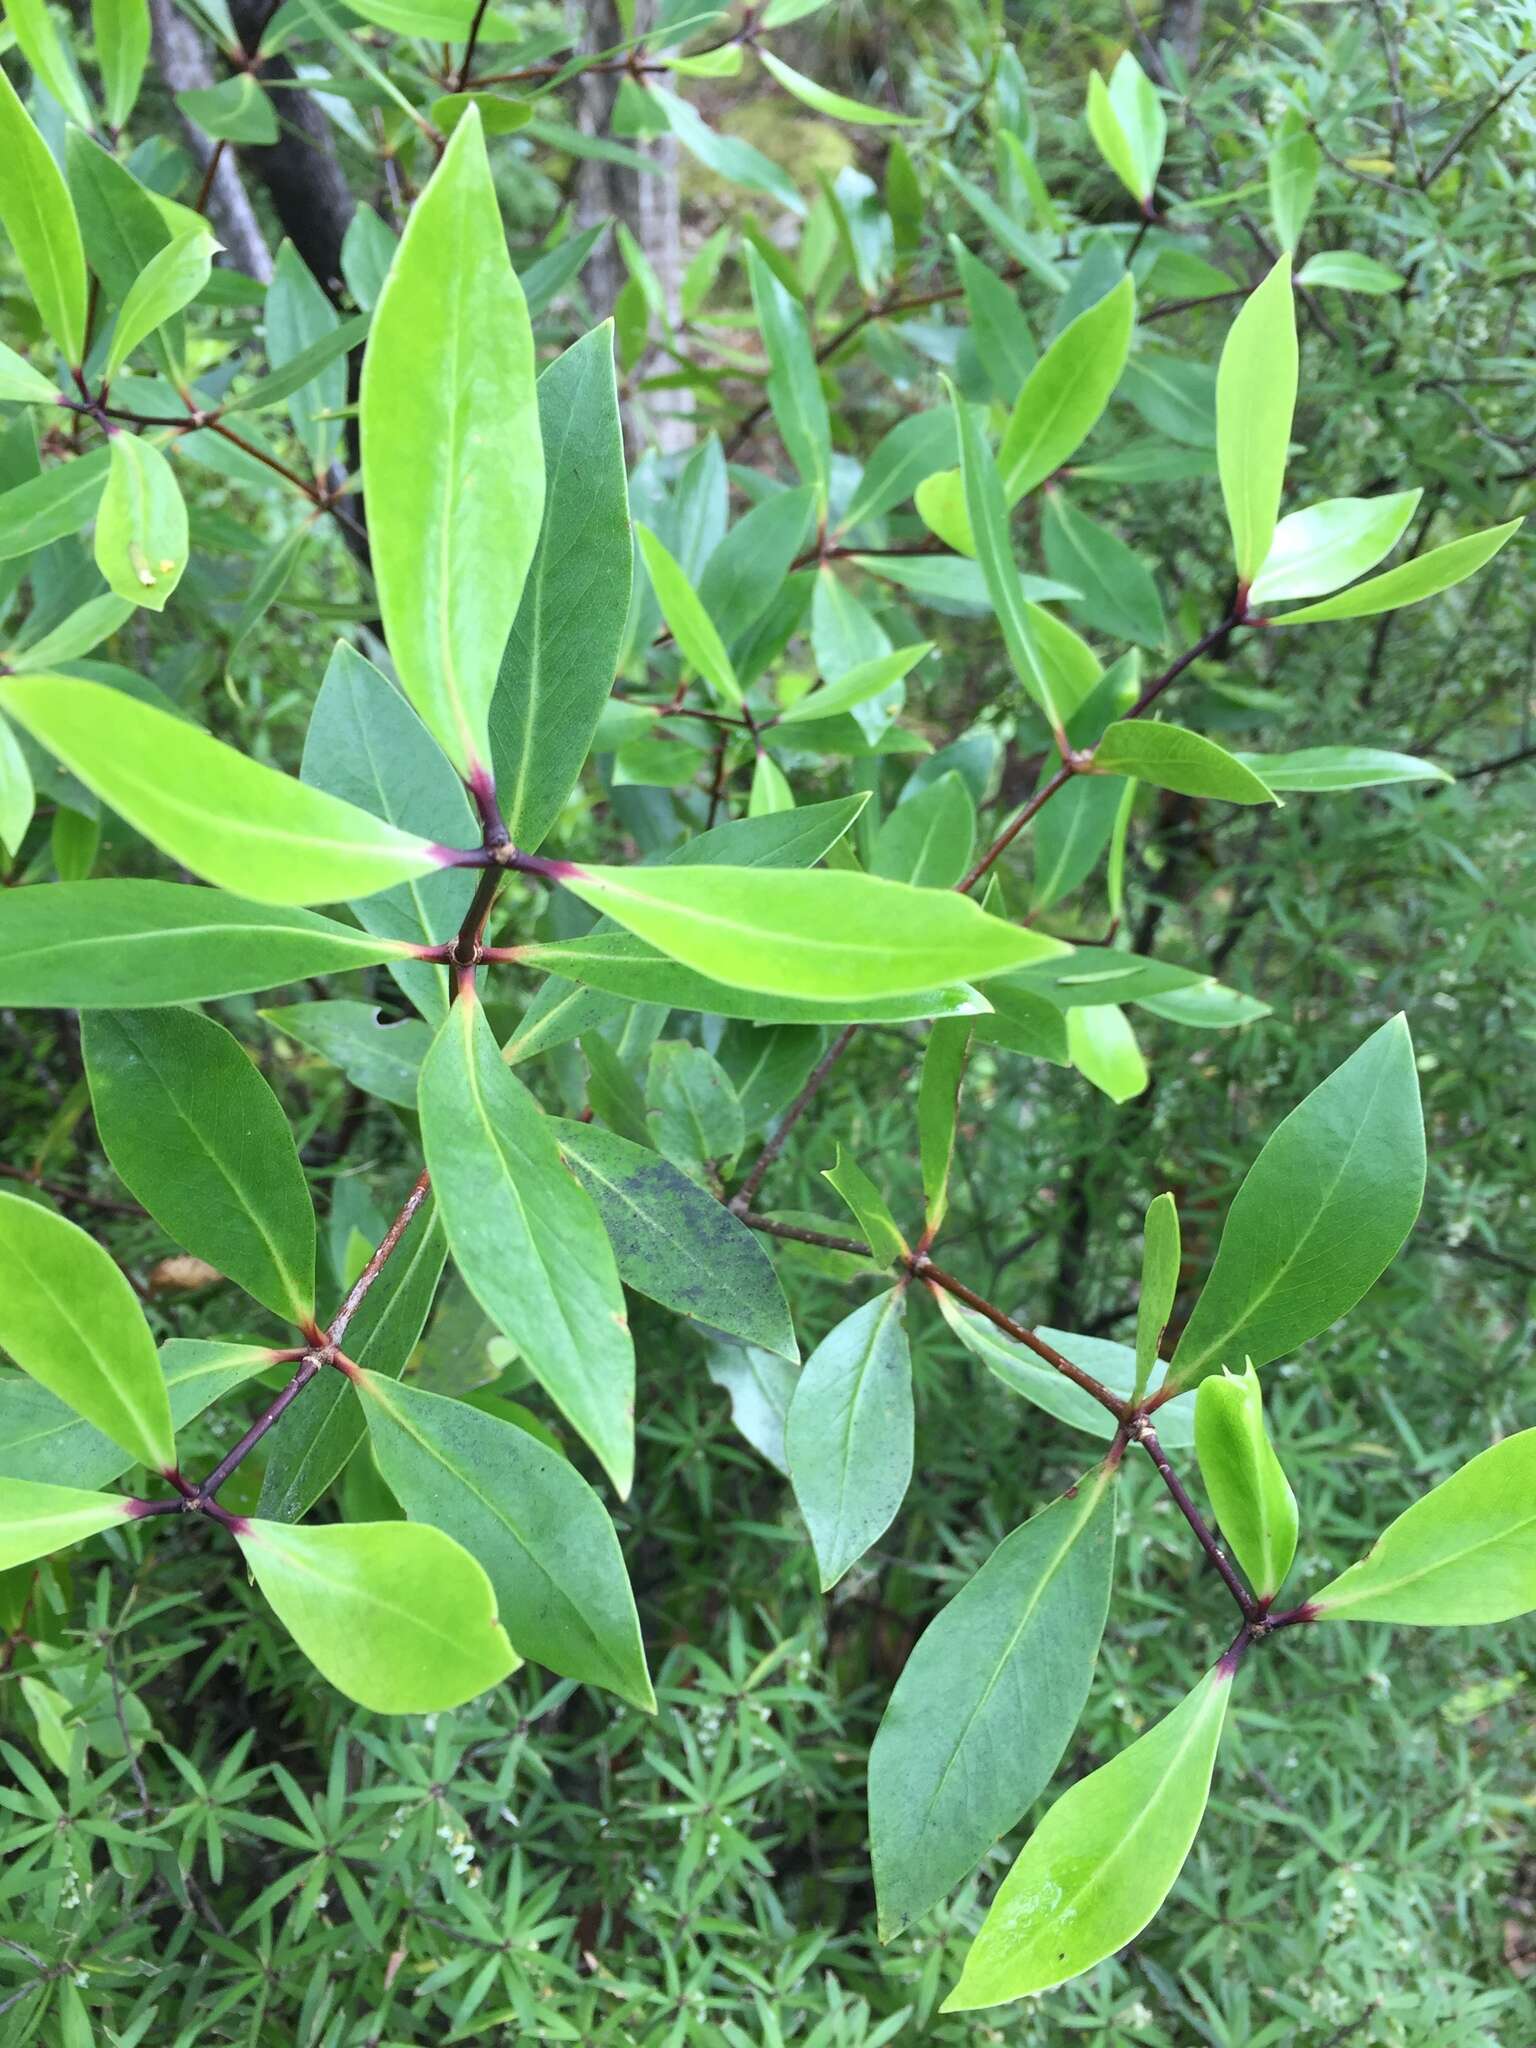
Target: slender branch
<point>936,1276</point>
<point>741,1201</point>
<point>1010,832</point>
<point>1249,1608</point>
<point>375,1266</point>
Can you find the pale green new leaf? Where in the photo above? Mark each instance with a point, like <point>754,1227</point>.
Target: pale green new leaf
<point>141,524</point>
<point>698,639</point>
<point>1328,768</point>
<point>396,1615</point>
<point>528,1516</point>
<point>833,104</point>
<point>39,216</point>
<point>1464,1554</point>
<point>69,1318</point>
<point>171,279</point>
<point>36,1519</point>
<point>18,798</point>
<point>121,31</point>
<point>1172,758</point>
<point>826,935</point>
<point>848,1434</point>
<point>32,25</point>
<point>1321,1214</point>
<point>1102,1861</point>
<point>1409,583</point>
<point>1067,391</point>
<point>868,1208</point>
<point>1114,144</point>
<point>1327,545</point>
<point>1255,400</point>
<point>20,383</point>
<point>857,685</point>
<point>794,380</point>
<point>232,820</point>
<point>1244,1479</point>
<point>1347,271</point>
<point>1160,1259</point>
<point>1102,1045</point>
<point>453,464</point>
<point>987,1702</point>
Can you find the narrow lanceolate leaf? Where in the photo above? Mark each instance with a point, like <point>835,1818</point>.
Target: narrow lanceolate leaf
<point>1322,1213</point>
<point>794,380</point>
<point>1464,1554</point>
<point>526,1237</point>
<point>397,1616</point>
<point>1255,399</point>
<point>171,279</point>
<point>674,1242</point>
<point>382,1059</point>
<point>929,839</point>
<point>938,1110</point>
<point>124,944</point>
<point>51,506</point>
<point>1101,1044</point>
<point>1409,583</point>
<point>1173,758</point>
<point>36,1520</point>
<point>1255,1508</point>
<point>1318,769</point>
<point>141,524</point>
<point>39,217</point>
<point>1102,1861</point>
<point>987,1702</point>
<point>69,1318</point>
<point>1318,549</point>
<point>228,818</point>
<point>559,663</point>
<point>698,639</point>
<point>822,934</point>
<point>19,381</point>
<point>524,1511</point>
<point>1067,391</point>
<point>868,1208</point>
<point>848,1435</point>
<point>857,685</point>
<point>453,467</point>
<point>121,32</point>
<point>834,104</point>
<point>1160,1256</point>
<point>196,1135</point>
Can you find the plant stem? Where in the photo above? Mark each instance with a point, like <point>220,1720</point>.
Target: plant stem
<point>741,1201</point>
<point>1248,1607</point>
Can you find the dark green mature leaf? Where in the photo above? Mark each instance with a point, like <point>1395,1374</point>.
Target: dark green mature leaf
<point>848,1435</point>
<point>691,1111</point>
<point>928,840</point>
<point>674,1242</point>
<point>523,1510</point>
<point>366,745</point>
<point>69,1318</point>
<point>125,944</point>
<point>299,318</point>
<point>1119,596</point>
<point>1169,757</point>
<point>1102,1861</point>
<point>559,663</point>
<point>938,1108</point>
<point>1464,1554</point>
<point>196,1135</point>
<point>986,512</point>
<point>223,815</point>
<point>381,1059</point>
<point>1322,1213</point>
<point>453,466</point>
<point>395,1615</point>
<point>527,1237</point>
<point>988,1700</point>
<point>748,568</point>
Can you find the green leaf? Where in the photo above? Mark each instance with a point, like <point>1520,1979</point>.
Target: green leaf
<point>833,104</point>
<point>823,935</point>
<point>726,155</point>
<point>52,506</point>
<point>85,627</point>
<point>499,116</point>
<point>124,944</point>
<point>848,1435</point>
<point>120,29</point>
<point>69,1318</point>
<point>1464,1554</point>
<point>677,1244</point>
<point>32,25</point>
<point>1348,272</point>
<point>303,365</point>
<point>1322,1213</point>
<point>914,448</point>
<point>226,817</point>
<point>170,280</point>
<point>868,1207</point>
<point>453,465</point>
<point>395,1615</point>
<point>1160,1261</point>
<point>197,1136</point>
<point>1328,768</point>
<point>298,320</point>
<point>367,746</point>
<point>691,1109</point>
<point>35,1519</point>
<point>526,1237</point>
<point>533,1522</point>
<point>1172,758</point>
<point>986,509</point>
<point>1409,583</point>
<point>1067,391</point>
<point>559,664</point>
<point>1113,143</point>
<point>929,839</point>
<point>938,1109</point>
<point>234,110</point>
<point>1117,591</point>
<point>1255,399</point>
<point>794,379</point>
<point>1113,1365</point>
<point>1207,1007</point>
<point>1001,333</point>
<point>381,1059</point>
<point>1294,163</point>
<point>857,685</point>
<point>1317,550</point>
<point>1102,1046</point>
<point>1247,1487</point>
<point>19,382</point>
<point>1102,1861</point>
<point>986,1704</point>
<point>39,216</point>
<point>698,640</point>
<point>141,525</point>
<point>18,798</point>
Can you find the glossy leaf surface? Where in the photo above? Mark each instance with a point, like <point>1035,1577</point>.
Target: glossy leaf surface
<point>848,1435</point>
